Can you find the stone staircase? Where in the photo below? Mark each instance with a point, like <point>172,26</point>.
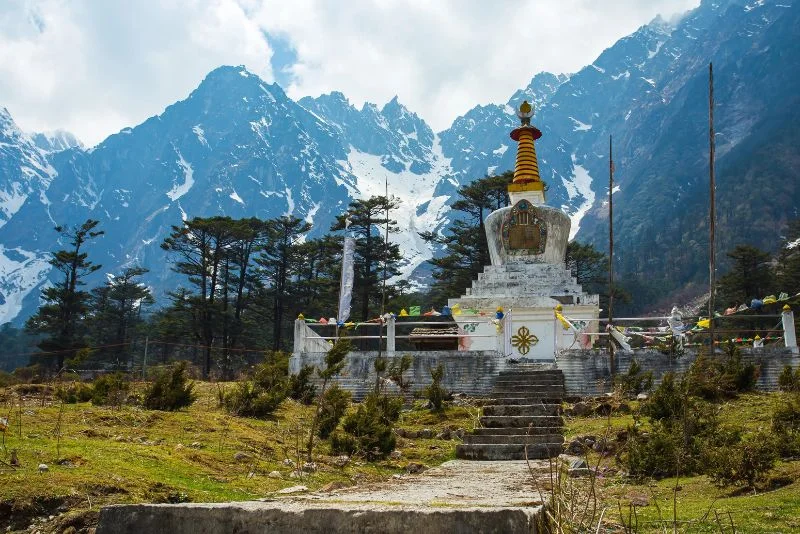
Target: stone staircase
<point>525,410</point>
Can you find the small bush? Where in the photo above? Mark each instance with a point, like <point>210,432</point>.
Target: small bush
<point>249,400</point>
<point>435,392</point>
<point>786,427</point>
<point>635,381</point>
<point>396,371</point>
<point>682,426</point>
<point>170,390</point>
<point>333,406</point>
<point>7,379</point>
<point>667,401</point>
<point>744,463</point>
<point>109,390</point>
<point>721,378</point>
<point>273,372</point>
<point>74,392</point>
<point>789,379</point>
<point>262,395</point>
<point>300,387</point>
<point>368,430</point>
<point>741,376</point>
<point>343,443</point>
<point>652,455</point>
<point>32,374</point>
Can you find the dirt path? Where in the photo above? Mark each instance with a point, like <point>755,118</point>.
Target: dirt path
<point>455,483</point>
<point>457,497</point>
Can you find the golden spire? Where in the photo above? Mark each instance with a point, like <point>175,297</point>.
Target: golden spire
<point>526,170</point>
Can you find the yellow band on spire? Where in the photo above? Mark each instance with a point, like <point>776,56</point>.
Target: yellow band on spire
<point>527,167</point>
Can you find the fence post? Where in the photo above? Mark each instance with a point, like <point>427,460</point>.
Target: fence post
<point>789,335</point>
<point>390,336</point>
<point>299,335</point>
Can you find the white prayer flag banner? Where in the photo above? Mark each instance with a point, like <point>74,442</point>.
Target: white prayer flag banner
<point>348,271</point>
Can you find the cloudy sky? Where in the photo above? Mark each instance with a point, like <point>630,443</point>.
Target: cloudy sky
<point>95,66</point>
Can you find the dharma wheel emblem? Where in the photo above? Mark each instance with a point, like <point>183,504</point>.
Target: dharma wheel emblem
<point>523,340</point>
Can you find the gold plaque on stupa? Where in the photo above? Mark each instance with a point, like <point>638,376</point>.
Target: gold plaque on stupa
<point>524,232</point>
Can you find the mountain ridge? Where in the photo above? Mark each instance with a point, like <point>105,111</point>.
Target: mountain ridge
<point>239,146</point>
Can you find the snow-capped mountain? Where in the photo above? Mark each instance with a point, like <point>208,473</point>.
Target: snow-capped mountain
<point>56,141</point>
<point>241,147</point>
<point>236,146</point>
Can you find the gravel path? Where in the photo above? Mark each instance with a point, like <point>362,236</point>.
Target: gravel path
<point>457,483</point>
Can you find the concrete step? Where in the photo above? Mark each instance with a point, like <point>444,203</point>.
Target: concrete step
<point>511,388</point>
<point>522,409</point>
<point>516,398</point>
<point>521,421</point>
<point>511,439</point>
<point>521,372</point>
<point>518,432</point>
<point>533,380</point>
<point>507,451</point>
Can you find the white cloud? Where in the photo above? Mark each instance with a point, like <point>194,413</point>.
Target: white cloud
<point>94,66</point>
<point>98,66</point>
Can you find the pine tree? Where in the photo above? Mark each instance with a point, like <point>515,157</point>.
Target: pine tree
<point>375,258</point>
<point>319,272</point>
<point>467,251</point>
<point>240,283</point>
<point>116,310</point>
<point>279,261</point>
<point>202,247</point>
<point>750,276</point>
<point>65,304</point>
<point>788,261</point>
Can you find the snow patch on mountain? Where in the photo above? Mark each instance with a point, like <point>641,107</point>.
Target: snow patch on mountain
<point>11,201</point>
<point>178,190</point>
<point>289,202</point>
<point>580,126</point>
<point>419,210</point>
<point>20,272</point>
<point>198,131</point>
<point>581,185</point>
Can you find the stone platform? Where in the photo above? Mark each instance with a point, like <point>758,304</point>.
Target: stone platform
<point>457,497</point>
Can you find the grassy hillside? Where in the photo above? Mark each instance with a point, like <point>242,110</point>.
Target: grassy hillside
<point>692,503</point>
<point>99,455</point>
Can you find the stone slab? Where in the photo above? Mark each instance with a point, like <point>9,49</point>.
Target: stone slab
<point>458,496</point>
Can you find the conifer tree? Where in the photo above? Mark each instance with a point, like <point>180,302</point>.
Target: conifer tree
<point>368,222</point>
<point>788,261</point>
<point>65,304</point>
<point>467,251</point>
<point>116,310</point>
<point>278,261</point>
<point>750,276</point>
<point>202,248</point>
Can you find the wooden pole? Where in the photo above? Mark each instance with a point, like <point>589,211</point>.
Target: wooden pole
<point>611,250</point>
<point>712,271</point>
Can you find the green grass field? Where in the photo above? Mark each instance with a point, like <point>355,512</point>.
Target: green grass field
<point>697,505</point>
<point>102,455</point>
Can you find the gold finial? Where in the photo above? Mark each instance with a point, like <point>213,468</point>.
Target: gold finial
<point>525,113</point>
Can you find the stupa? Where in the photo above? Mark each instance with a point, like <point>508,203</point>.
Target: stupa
<point>528,280</point>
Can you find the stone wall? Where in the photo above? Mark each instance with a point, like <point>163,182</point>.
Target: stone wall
<point>470,372</point>
<point>588,372</point>
<point>585,372</point>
